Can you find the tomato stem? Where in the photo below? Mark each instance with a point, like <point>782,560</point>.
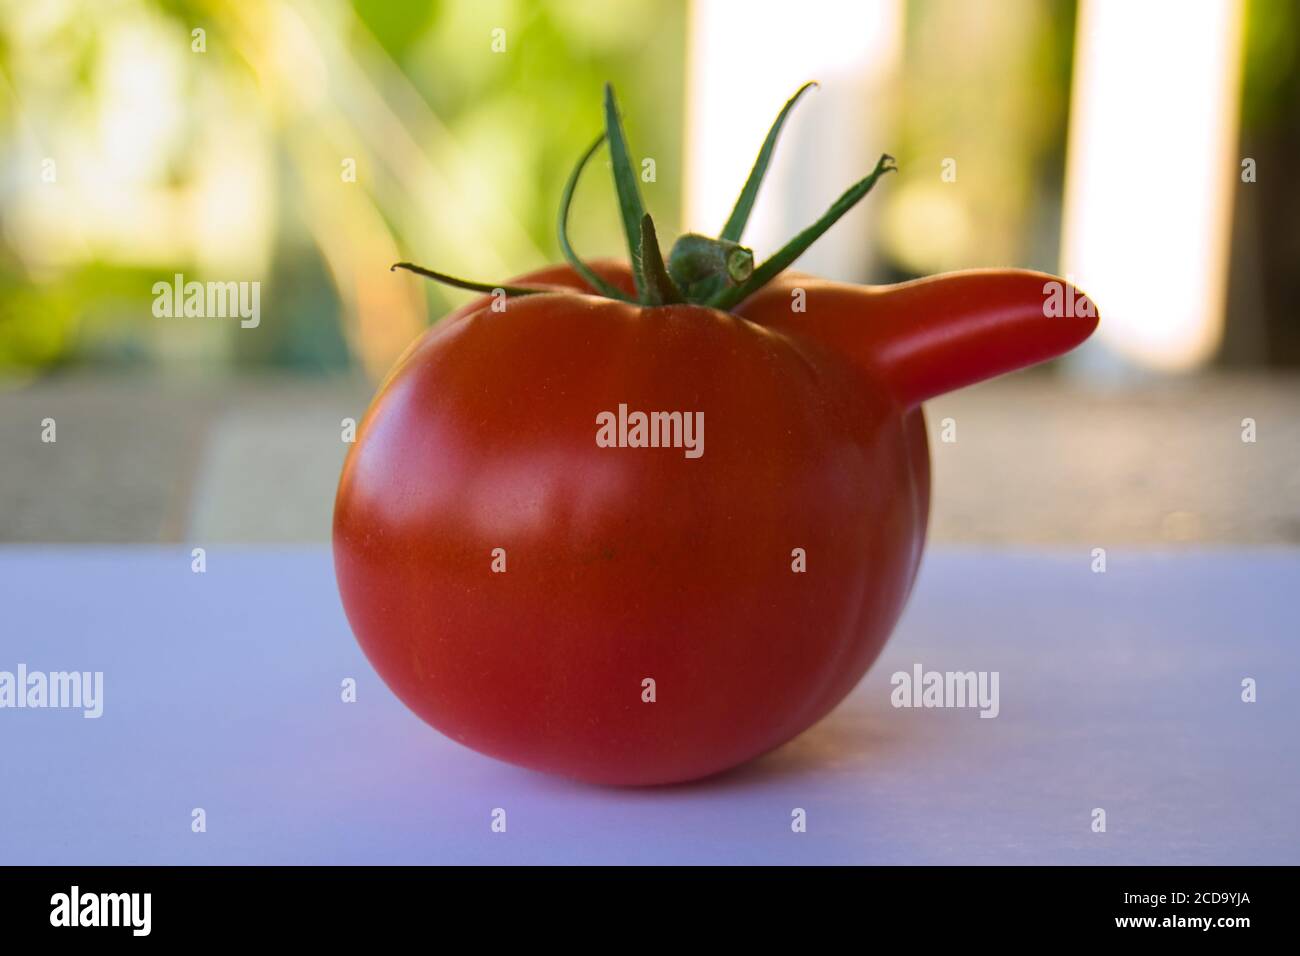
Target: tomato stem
<point>702,267</point>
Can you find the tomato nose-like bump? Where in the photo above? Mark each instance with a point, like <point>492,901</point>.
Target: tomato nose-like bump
<point>946,332</point>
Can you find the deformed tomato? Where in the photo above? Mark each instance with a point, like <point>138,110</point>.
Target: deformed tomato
<point>637,525</point>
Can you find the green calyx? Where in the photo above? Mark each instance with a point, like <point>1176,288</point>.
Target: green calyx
<point>718,273</point>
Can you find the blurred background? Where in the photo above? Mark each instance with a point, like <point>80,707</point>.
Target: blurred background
<point>1147,151</point>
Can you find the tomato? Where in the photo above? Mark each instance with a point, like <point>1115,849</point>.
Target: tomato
<point>619,566</point>
<point>552,580</point>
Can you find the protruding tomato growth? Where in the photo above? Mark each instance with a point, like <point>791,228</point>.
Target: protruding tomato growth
<point>937,334</point>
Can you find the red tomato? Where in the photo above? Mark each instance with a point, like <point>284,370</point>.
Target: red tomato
<point>648,617</point>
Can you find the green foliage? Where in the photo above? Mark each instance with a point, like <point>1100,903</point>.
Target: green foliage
<point>1271,80</point>
<point>540,102</point>
<point>302,99</point>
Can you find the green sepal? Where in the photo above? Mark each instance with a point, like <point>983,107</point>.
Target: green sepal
<point>625,184</point>
<point>660,289</point>
<point>745,204</point>
<point>445,279</point>
<point>796,247</point>
<point>562,228</point>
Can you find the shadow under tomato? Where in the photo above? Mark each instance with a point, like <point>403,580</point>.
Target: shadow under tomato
<point>843,741</point>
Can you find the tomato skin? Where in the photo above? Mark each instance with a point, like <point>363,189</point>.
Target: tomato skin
<point>627,564</point>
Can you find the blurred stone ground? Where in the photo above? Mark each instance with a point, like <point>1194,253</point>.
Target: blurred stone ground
<point>1037,459</point>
